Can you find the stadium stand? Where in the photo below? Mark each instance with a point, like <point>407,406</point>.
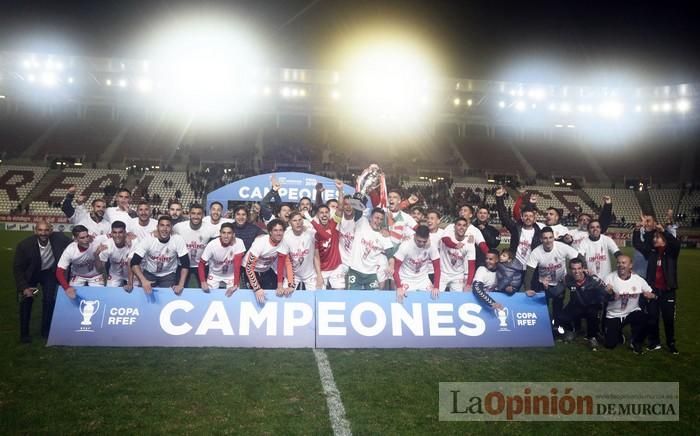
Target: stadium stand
<point>561,198</point>
<point>16,182</point>
<point>664,199</point>
<point>93,183</point>
<point>625,203</point>
<point>155,182</point>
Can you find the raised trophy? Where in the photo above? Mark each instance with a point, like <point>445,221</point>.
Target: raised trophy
<point>371,184</point>
<point>88,308</point>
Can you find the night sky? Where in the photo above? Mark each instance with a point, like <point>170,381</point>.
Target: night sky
<point>654,41</point>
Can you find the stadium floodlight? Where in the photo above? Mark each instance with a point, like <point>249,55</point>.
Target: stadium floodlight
<point>145,85</point>
<point>552,107</point>
<point>456,101</point>
<point>655,107</point>
<point>31,78</point>
<point>501,104</point>
<point>520,106</point>
<point>565,107</point>
<point>666,107</point>
<point>267,91</point>
<point>48,79</point>
<point>611,109</point>
<point>537,93</point>
<point>207,65</point>
<point>638,108</point>
<point>108,82</point>
<point>123,83</point>
<point>388,79</point>
<point>335,95</point>
<point>683,106</point>
<point>469,102</point>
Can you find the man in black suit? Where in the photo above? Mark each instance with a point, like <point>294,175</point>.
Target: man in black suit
<point>35,264</point>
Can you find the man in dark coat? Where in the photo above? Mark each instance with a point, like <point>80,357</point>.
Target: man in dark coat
<point>35,265</point>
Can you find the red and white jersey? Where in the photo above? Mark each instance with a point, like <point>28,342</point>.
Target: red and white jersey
<point>598,255</point>
<point>487,277</point>
<point>301,250</point>
<point>558,229</point>
<point>453,261</point>
<point>578,236</point>
<point>141,232</point>
<point>435,238</point>
<point>368,248</point>
<point>402,227</point>
<point>195,239</point>
<point>525,246</point>
<point>161,258</point>
<point>263,254</point>
<point>113,214</point>
<point>95,229</point>
<point>472,236</point>
<point>627,294</point>
<point>328,248</point>
<point>81,262</point>
<point>207,222</point>
<point>220,257</point>
<point>552,263</point>
<point>346,228</point>
<point>415,261</point>
<point>117,257</point>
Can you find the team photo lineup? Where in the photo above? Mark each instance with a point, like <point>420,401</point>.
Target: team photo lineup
<point>337,217</point>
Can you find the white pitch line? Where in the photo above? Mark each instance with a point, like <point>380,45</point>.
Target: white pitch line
<point>336,411</point>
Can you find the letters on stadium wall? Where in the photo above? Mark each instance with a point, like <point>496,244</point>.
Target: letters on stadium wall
<point>307,319</point>
<point>32,218</point>
<point>294,187</point>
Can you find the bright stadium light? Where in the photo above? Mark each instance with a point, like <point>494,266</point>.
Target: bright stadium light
<point>48,79</point>
<point>565,107</point>
<point>456,101</point>
<point>611,109</point>
<point>666,107</point>
<point>520,106</point>
<point>207,66</point>
<point>683,106</point>
<point>537,93</point>
<point>31,78</point>
<point>388,79</point>
<point>501,104</point>
<point>469,102</point>
<point>123,83</point>
<point>108,82</point>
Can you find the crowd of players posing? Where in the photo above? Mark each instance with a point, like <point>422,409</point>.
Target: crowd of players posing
<point>335,245</point>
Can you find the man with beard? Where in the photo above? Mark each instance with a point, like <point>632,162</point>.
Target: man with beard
<point>552,216</point>
<point>328,246</point>
<point>175,212</point>
<point>524,235</point>
<point>94,220</point>
<point>492,237</point>
<point>143,225</point>
<point>368,247</point>
<point>196,236</point>
<point>244,229</point>
<point>596,248</point>
<point>160,255</point>
<point>35,265</point>
<point>260,262</point>
<point>215,217</point>
<point>299,248</point>
<point>346,217</point>
<point>116,251</point>
<point>224,257</point>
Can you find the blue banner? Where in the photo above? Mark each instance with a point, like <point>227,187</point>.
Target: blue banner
<point>294,186</point>
<point>307,319</point>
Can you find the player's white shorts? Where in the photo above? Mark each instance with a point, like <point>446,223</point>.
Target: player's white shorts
<point>417,285</point>
<point>97,280</point>
<point>116,282</point>
<point>335,278</point>
<point>381,269</point>
<point>215,281</point>
<point>454,283</point>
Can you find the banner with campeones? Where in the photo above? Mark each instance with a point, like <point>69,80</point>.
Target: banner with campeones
<point>306,319</point>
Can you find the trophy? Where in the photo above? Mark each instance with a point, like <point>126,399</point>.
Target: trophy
<point>502,316</point>
<point>88,309</point>
<point>370,184</point>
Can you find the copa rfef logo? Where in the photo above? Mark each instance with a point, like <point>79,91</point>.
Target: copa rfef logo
<point>112,316</point>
